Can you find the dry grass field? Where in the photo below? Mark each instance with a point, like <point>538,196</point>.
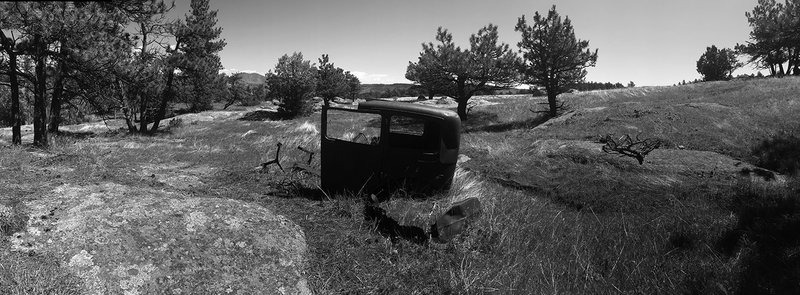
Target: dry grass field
<point>559,215</point>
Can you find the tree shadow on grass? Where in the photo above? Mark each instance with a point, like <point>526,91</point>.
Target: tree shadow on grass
<point>487,126</point>
<point>262,115</point>
<point>303,192</point>
<point>76,135</point>
<point>478,119</point>
<point>781,154</point>
<point>390,228</point>
<point>767,237</point>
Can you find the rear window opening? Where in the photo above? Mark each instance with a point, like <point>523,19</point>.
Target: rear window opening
<point>413,132</point>
<point>362,128</point>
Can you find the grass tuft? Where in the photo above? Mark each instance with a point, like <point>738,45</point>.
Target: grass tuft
<point>35,274</point>
<point>12,218</point>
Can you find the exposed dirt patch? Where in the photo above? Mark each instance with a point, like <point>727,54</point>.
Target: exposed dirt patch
<point>707,105</point>
<point>177,175</point>
<point>210,116</point>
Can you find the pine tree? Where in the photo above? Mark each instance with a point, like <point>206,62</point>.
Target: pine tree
<point>140,77</point>
<point>200,45</point>
<point>553,57</point>
<point>9,47</point>
<point>461,73</point>
<point>775,37</point>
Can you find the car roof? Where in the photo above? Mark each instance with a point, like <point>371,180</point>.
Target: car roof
<point>413,108</point>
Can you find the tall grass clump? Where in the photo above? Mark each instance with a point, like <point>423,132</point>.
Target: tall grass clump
<point>12,218</point>
<point>36,274</point>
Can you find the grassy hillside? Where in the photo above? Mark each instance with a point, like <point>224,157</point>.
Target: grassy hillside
<point>686,221</point>
<point>559,215</point>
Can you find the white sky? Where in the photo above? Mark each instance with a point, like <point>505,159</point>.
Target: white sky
<point>649,42</point>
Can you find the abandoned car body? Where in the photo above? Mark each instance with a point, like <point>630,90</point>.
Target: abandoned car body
<point>393,146</point>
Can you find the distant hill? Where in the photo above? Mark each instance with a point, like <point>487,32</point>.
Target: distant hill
<point>252,78</point>
<point>406,89</point>
<point>382,88</point>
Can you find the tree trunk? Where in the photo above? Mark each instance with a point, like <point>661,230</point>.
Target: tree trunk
<point>40,98</point>
<point>552,101</point>
<point>126,112</point>
<point>166,96</point>
<point>462,109</point>
<point>142,114</point>
<point>461,98</point>
<point>142,100</point>
<point>55,103</point>
<point>15,118</point>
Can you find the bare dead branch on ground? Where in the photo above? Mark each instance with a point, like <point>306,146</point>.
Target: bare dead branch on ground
<point>626,146</point>
<point>276,161</point>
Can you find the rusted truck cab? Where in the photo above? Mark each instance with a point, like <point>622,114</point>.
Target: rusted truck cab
<point>383,146</point>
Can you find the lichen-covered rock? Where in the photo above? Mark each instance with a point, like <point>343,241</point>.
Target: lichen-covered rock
<point>123,240</point>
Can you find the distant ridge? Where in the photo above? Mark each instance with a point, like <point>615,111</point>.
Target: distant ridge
<point>252,78</point>
<point>381,88</point>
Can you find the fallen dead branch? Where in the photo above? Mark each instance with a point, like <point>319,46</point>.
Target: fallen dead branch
<point>626,146</point>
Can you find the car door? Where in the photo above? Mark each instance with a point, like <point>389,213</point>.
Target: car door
<point>411,157</point>
<point>351,150</point>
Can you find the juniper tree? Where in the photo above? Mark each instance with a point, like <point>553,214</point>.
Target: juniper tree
<point>331,81</point>
<point>353,85</point>
<point>717,64</point>
<point>292,82</point>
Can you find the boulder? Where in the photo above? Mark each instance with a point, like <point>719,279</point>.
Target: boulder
<point>124,240</point>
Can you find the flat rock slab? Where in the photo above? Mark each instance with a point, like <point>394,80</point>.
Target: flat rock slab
<point>124,240</point>
<point>668,161</point>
